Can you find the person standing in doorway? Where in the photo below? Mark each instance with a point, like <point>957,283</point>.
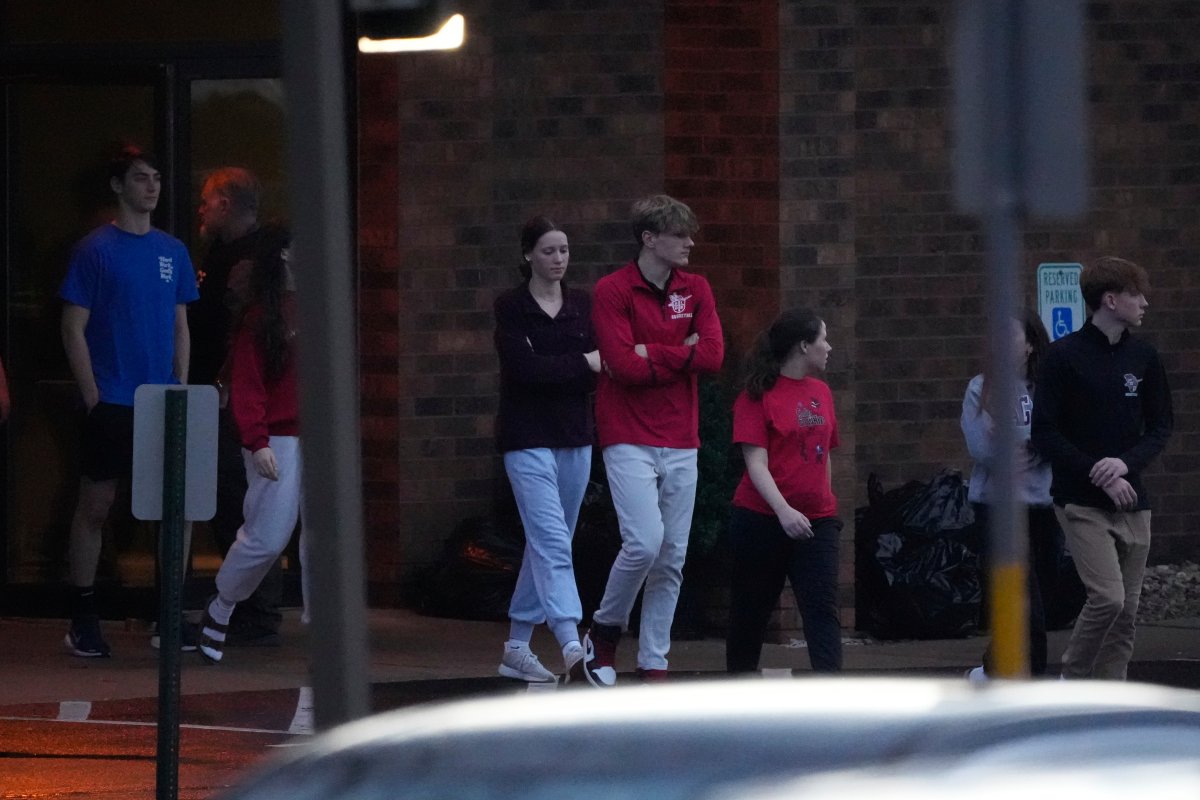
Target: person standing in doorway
<point>124,324</point>
<point>230,202</point>
<point>1032,480</point>
<point>548,361</point>
<point>1103,413</point>
<point>784,520</point>
<point>658,330</point>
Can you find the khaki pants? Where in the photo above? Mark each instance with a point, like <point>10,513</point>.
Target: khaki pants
<point>1110,549</point>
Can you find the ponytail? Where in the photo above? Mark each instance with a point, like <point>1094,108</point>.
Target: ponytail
<point>774,345</point>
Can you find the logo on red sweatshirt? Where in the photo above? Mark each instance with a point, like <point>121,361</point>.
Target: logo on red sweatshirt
<point>678,304</point>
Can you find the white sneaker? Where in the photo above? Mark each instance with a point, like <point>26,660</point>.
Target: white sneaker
<point>977,675</point>
<point>521,664</point>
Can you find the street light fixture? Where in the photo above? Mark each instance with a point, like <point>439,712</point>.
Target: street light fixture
<point>449,37</point>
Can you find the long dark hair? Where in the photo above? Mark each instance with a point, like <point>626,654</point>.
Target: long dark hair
<point>268,288</point>
<point>774,345</point>
<point>1037,339</point>
<point>533,230</point>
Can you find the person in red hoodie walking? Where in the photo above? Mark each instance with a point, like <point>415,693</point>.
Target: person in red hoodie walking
<point>263,402</point>
<point>657,330</point>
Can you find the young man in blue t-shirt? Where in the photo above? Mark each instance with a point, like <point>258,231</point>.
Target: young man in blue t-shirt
<point>124,324</point>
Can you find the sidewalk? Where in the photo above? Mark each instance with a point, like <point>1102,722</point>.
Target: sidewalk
<point>86,727</point>
<point>35,668</point>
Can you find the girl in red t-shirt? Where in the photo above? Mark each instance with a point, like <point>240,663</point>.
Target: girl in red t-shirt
<point>784,522</point>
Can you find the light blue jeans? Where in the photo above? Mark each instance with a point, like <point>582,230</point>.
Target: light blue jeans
<point>654,491</point>
<point>548,485</point>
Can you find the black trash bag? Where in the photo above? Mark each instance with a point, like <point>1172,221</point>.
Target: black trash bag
<point>942,508</point>
<point>476,574</point>
<point>918,556</point>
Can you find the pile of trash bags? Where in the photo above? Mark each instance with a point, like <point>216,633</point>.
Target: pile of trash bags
<point>476,573</point>
<point>918,564</point>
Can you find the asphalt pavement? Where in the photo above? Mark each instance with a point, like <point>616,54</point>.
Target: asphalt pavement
<point>74,727</point>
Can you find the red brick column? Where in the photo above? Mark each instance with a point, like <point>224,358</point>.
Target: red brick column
<point>721,120</point>
<point>378,306</point>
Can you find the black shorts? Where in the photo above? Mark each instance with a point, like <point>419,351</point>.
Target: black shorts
<point>108,442</point>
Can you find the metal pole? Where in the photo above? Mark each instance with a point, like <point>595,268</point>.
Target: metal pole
<point>170,611</point>
<point>318,174</point>
<point>1008,542</point>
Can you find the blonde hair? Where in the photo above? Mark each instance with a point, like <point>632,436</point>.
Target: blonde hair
<point>660,213</point>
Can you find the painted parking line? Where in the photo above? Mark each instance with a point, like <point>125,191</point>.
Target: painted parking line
<point>129,723</point>
<point>302,720</point>
<point>74,710</point>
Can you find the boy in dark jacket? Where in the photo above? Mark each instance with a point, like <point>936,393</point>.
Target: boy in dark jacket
<point>1103,413</point>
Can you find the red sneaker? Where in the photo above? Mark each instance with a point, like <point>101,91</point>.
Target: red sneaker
<point>600,655</point>
<point>652,675</point>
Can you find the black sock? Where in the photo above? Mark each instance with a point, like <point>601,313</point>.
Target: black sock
<point>85,601</point>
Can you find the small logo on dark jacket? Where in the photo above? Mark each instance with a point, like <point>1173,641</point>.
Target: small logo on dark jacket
<point>1131,385</point>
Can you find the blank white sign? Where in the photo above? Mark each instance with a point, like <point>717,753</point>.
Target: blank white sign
<point>149,419</point>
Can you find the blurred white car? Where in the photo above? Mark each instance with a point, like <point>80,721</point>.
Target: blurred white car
<point>753,738</point>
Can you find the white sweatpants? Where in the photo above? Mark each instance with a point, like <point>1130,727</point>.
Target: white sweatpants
<point>654,491</point>
<point>271,509</point>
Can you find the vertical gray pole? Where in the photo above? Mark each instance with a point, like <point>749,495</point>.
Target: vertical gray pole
<point>329,407</point>
<point>1008,541</point>
<point>170,611</point>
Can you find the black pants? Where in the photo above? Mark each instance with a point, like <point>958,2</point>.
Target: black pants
<point>1042,577</point>
<point>258,614</point>
<point>763,556</point>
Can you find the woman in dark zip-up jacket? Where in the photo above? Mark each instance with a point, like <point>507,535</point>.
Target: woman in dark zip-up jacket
<point>544,428</point>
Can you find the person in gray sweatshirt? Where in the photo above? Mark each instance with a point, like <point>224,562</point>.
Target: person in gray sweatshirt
<point>1032,480</point>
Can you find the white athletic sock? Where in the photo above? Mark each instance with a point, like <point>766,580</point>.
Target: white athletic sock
<point>221,610</point>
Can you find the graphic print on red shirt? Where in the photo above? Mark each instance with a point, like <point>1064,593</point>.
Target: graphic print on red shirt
<point>794,420</point>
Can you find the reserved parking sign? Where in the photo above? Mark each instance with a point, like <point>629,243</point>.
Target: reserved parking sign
<point>1060,303</point>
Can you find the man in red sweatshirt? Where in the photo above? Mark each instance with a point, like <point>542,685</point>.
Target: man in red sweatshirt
<point>657,330</point>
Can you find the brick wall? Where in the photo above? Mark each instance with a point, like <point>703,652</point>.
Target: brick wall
<point>812,138</point>
<point>547,108</point>
<point>379,337</point>
<point>920,282</point>
<point>817,221</point>
<point>722,151</point>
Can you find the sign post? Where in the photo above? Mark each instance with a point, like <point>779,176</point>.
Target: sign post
<point>1020,152</point>
<point>174,480</point>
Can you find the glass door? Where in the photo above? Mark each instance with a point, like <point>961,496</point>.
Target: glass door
<point>239,122</point>
<point>58,131</point>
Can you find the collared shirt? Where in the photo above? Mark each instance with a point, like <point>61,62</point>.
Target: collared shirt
<point>653,401</point>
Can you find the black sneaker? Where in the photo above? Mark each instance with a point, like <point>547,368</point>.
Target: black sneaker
<point>187,636</point>
<point>84,638</point>
<point>251,636</point>
<point>600,655</point>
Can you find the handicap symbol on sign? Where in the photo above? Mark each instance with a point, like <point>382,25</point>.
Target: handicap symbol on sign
<point>1061,319</point>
